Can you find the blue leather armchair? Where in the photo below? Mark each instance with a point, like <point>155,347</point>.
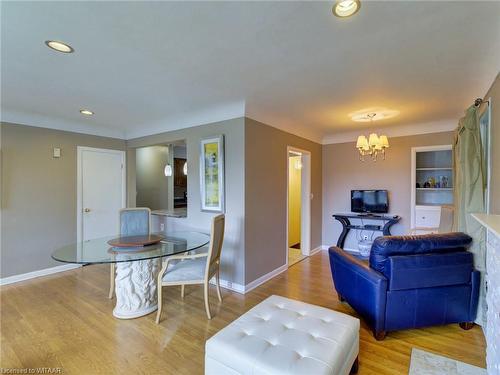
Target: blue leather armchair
<point>410,282</point>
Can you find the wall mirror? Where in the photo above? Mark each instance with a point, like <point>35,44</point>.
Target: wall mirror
<point>161,178</point>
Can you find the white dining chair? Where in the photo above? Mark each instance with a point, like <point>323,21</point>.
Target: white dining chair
<point>194,268</point>
<point>133,222</point>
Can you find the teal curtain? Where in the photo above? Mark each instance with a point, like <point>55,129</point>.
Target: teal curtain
<point>469,188</point>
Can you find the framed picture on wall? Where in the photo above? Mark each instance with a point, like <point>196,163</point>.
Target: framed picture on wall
<point>212,174</point>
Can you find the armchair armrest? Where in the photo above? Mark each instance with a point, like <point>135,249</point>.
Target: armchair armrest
<point>361,286</point>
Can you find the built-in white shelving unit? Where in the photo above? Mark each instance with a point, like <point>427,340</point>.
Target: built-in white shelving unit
<point>432,184</point>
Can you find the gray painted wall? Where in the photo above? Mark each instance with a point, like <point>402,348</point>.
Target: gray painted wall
<point>38,193</point>
<point>343,171</point>
<point>266,196</point>
<point>38,200</point>
<point>232,268</point>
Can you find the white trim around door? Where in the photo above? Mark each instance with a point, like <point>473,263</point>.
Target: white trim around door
<point>79,184</point>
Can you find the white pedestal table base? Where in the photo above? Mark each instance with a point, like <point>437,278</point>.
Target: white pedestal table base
<point>135,288</point>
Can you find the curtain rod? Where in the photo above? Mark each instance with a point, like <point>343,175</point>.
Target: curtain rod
<point>478,102</point>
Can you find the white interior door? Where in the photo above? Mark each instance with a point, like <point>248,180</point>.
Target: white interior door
<point>101,192</point>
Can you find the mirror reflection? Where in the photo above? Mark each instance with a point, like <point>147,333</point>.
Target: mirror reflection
<point>161,178</point>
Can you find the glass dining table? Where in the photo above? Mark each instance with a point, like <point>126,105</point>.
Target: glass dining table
<point>136,267</point>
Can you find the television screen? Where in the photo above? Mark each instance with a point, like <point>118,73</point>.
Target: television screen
<point>369,201</point>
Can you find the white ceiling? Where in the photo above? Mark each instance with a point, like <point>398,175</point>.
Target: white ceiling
<point>147,67</point>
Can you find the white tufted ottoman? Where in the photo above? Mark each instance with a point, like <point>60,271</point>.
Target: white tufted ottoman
<point>284,336</point>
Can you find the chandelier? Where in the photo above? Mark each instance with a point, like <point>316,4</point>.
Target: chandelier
<point>373,145</point>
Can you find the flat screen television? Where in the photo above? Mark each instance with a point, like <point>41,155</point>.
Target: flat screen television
<point>370,201</point>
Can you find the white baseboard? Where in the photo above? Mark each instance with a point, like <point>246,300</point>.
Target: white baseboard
<point>39,273</point>
<point>316,250</point>
<point>268,276</point>
<point>243,289</point>
<point>235,287</point>
<point>355,251</point>
<point>326,247</point>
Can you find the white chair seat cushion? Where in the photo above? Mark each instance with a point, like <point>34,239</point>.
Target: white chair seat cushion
<point>284,336</point>
<point>185,270</point>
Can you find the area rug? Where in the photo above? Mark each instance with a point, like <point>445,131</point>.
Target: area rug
<point>425,363</point>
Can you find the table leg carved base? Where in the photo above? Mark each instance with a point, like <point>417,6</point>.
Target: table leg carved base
<point>135,286</point>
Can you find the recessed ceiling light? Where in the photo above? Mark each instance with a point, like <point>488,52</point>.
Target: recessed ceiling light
<point>86,112</point>
<point>346,8</point>
<point>59,46</point>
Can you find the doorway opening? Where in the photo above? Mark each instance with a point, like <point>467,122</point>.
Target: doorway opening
<point>298,205</point>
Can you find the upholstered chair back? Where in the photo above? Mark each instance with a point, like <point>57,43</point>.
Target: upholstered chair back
<point>135,221</point>
<point>384,248</point>
<point>215,247</point>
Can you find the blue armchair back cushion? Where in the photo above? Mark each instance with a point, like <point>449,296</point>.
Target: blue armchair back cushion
<point>385,247</point>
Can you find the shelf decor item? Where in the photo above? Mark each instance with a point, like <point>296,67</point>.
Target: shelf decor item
<point>212,174</point>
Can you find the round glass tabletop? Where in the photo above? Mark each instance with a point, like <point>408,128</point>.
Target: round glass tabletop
<point>99,251</point>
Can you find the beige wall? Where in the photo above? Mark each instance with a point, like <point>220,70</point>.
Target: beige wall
<point>265,196</point>
<point>294,198</point>
<point>494,94</point>
<point>343,172</point>
<point>233,267</point>
<point>38,199</point>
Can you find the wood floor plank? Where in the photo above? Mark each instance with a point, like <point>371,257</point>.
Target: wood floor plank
<point>65,320</point>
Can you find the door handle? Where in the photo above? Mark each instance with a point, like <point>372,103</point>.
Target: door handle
<point>86,210</point>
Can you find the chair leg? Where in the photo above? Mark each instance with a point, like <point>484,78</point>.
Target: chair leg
<point>182,291</point>
<point>111,281</point>
<point>217,281</point>
<point>355,366</point>
<point>207,305</point>
<point>380,335</point>
<point>160,304</point>
<point>466,325</point>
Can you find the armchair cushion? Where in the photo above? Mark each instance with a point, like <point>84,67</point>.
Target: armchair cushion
<point>385,247</point>
<point>186,270</point>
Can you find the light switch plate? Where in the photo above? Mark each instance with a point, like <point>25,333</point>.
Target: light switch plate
<point>57,152</point>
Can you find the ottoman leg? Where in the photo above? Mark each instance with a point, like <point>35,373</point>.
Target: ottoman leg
<point>355,367</point>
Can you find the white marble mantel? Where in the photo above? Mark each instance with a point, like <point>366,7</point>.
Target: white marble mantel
<point>492,224</point>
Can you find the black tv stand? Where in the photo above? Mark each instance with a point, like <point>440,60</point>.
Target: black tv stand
<point>368,214</point>
<point>388,222</point>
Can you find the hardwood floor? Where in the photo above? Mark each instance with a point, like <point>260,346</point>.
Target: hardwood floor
<point>294,256</point>
<point>65,321</point>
